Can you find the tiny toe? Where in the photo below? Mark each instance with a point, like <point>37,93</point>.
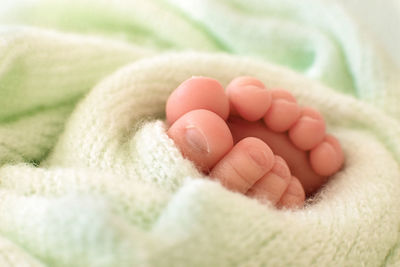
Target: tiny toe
<point>271,186</point>
<point>248,161</point>
<point>309,130</point>
<point>283,112</point>
<point>197,93</point>
<point>248,98</point>
<point>202,137</point>
<point>294,195</point>
<point>327,157</point>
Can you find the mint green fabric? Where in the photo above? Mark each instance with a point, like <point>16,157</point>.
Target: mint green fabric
<point>88,176</point>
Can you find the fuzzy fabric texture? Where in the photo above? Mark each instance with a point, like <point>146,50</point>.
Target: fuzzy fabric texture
<point>99,183</point>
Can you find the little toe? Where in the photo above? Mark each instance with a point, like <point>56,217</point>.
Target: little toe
<point>294,195</point>
<point>248,161</point>
<point>271,186</point>
<point>202,136</point>
<point>248,98</point>
<point>283,112</point>
<point>327,157</point>
<point>309,130</point>
<point>197,93</point>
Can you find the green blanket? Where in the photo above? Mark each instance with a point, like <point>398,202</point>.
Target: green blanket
<point>88,176</point>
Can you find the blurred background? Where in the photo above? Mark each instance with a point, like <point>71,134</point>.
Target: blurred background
<point>382,19</point>
<point>379,18</point>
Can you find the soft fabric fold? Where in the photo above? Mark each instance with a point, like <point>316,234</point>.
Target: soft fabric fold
<point>88,176</point>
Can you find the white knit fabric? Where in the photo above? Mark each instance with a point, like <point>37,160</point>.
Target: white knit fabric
<point>105,186</point>
<point>113,196</point>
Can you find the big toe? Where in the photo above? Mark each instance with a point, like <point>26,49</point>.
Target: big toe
<point>248,161</point>
<point>197,93</point>
<point>202,136</point>
<point>273,184</point>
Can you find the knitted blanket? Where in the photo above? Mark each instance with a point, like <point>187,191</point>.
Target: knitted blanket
<point>88,176</point>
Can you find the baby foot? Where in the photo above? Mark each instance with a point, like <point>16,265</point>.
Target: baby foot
<point>295,133</point>
<point>222,133</point>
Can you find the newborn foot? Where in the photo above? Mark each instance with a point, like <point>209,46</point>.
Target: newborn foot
<point>255,141</point>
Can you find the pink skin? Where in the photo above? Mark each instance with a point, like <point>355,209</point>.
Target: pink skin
<point>255,141</point>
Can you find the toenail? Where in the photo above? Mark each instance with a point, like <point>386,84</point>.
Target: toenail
<point>286,102</point>
<point>260,157</point>
<point>255,88</point>
<point>283,95</point>
<point>247,81</point>
<point>196,139</point>
<point>308,118</point>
